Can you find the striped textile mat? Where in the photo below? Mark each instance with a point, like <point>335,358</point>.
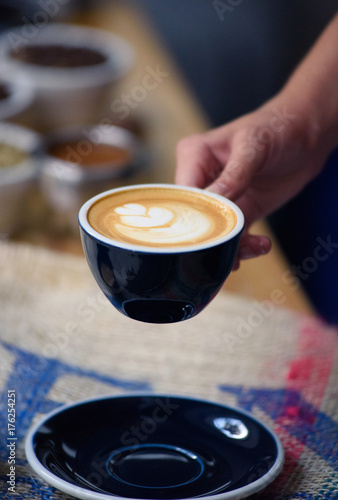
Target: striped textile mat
<point>61,341</point>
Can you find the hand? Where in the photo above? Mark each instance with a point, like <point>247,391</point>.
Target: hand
<point>260,161</point>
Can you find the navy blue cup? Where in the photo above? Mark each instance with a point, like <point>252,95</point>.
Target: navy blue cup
<point>159,285</point>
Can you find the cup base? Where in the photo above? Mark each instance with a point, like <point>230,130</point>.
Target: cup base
<point>159,466</point>
<point>158,311</point>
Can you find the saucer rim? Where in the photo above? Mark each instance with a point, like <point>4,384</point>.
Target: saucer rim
<point>85,494</point>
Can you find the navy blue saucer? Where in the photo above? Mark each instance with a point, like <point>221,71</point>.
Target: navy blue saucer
<point>154,447</point>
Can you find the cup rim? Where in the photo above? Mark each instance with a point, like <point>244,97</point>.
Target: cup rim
<point>85,226</point>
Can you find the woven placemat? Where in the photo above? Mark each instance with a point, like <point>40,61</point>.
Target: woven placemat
<point>62,341</point>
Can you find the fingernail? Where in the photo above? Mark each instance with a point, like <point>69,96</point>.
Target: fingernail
<point>264,246</point>
<point>218,187</point>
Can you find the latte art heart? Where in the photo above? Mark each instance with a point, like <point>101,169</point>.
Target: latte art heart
<point>135,215</point>
<point>155,223</point>
<point>159,217</point>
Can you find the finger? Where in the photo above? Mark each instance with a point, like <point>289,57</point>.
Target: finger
<point>253,246</point>
<point>196,164</point>
<point>234,179</point>
<point>236,265</point>
<point>238,171</point>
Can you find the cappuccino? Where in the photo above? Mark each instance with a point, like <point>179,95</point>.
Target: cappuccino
<point>160,217</point>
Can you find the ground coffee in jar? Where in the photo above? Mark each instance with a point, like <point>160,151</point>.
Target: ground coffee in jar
<point>59,56</point>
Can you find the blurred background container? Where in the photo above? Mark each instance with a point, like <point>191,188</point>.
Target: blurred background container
<point>18,173</point>
<point>16,100</point>
<point>78,163</point>
<point>71,68</point>
<point>61,78</point>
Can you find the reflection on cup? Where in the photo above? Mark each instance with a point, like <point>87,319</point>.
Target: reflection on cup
<point>160,252</point>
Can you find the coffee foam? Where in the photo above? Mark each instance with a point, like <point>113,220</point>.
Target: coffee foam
<point>170,226</point>
<point>158,217</point>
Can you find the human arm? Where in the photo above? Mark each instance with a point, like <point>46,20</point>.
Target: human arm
<point>264,158</point>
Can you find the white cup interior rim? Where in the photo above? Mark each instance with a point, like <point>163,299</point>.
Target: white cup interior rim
<point>83,221</point>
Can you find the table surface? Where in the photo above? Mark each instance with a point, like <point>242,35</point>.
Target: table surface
<point>166,114</point>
